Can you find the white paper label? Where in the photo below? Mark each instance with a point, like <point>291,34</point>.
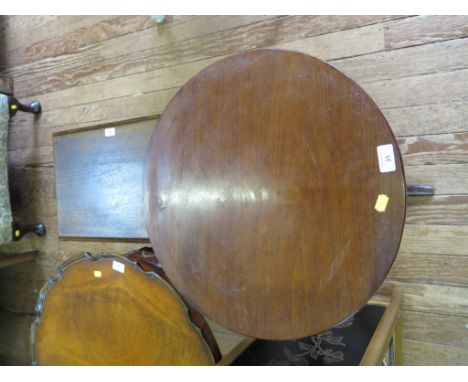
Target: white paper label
<point>119,267</point>
<point>109,132</point>
<point>386,158</point>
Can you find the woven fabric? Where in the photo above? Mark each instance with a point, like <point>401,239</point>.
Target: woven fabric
<point>5,207</point>
<point>343,345</point>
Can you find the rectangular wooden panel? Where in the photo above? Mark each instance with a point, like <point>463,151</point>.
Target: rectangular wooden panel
<point>99,180</point>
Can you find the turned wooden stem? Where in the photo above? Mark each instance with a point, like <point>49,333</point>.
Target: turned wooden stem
<point>420,190</point>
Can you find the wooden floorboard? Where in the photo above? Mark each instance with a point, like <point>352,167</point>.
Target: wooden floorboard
<point>424,29</point>
<point>137,52</point>
<point>432,118</point>
<point>439,269</point>
<point>407,62</point>
<point>420,90</point>
<point>435,239</point>
<point>447,179</point>
<point>435,328</point>
<point>421,353</point>
<point>434,149</point>
<point>74,34</point>
<point>431,298</point>
<point>111,71</point>
<point>438,210</point>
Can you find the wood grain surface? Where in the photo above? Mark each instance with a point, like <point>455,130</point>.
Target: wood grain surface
<point>107,311</point>
<point>262,181</point>
<point>92,72</point>
<point>99,182</point>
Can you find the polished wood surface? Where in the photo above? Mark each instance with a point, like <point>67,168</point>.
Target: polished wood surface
<point>107,311</point>
<point>147,260</point>
<point>263,187</point>
<point>98,176</point>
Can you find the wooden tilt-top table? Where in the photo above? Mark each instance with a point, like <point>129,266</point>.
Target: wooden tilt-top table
<point>275,194</point>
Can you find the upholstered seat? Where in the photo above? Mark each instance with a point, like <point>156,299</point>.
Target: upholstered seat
<point>9,229</point>
<point>5,208</point>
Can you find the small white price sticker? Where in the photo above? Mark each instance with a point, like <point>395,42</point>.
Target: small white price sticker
<point>109,132</point>
<point>386,158</point>
<point>119,267</point>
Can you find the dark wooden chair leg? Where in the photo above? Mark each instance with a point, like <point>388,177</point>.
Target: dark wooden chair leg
<point>33,107</point>
<point>20,230</point>
<point>420,190</point>
<point>6,261</point>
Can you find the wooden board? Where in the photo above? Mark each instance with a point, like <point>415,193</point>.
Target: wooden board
<point>447,179</point>
<point>438,210</point>
<point>174,44</point>
<point>435,239</point>
<point>99,182</point>
<point>430,298</point>
<point>435,328</point>
<point>412,61</point>
<point>434,149</point>
<point>423,268</point>
<point>422,353</point>
<point>263,177</point>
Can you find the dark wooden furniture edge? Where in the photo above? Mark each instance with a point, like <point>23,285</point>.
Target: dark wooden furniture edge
<point>6,261</point>
<point>420,190</point>
<point>87,256</point>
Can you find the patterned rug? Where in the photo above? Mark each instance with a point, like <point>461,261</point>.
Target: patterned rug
<point>344,345</point>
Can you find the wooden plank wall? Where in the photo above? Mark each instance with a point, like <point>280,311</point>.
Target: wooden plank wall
<point>107,70</point>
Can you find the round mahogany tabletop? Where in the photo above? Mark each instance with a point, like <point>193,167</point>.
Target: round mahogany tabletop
<point>275,194</point>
